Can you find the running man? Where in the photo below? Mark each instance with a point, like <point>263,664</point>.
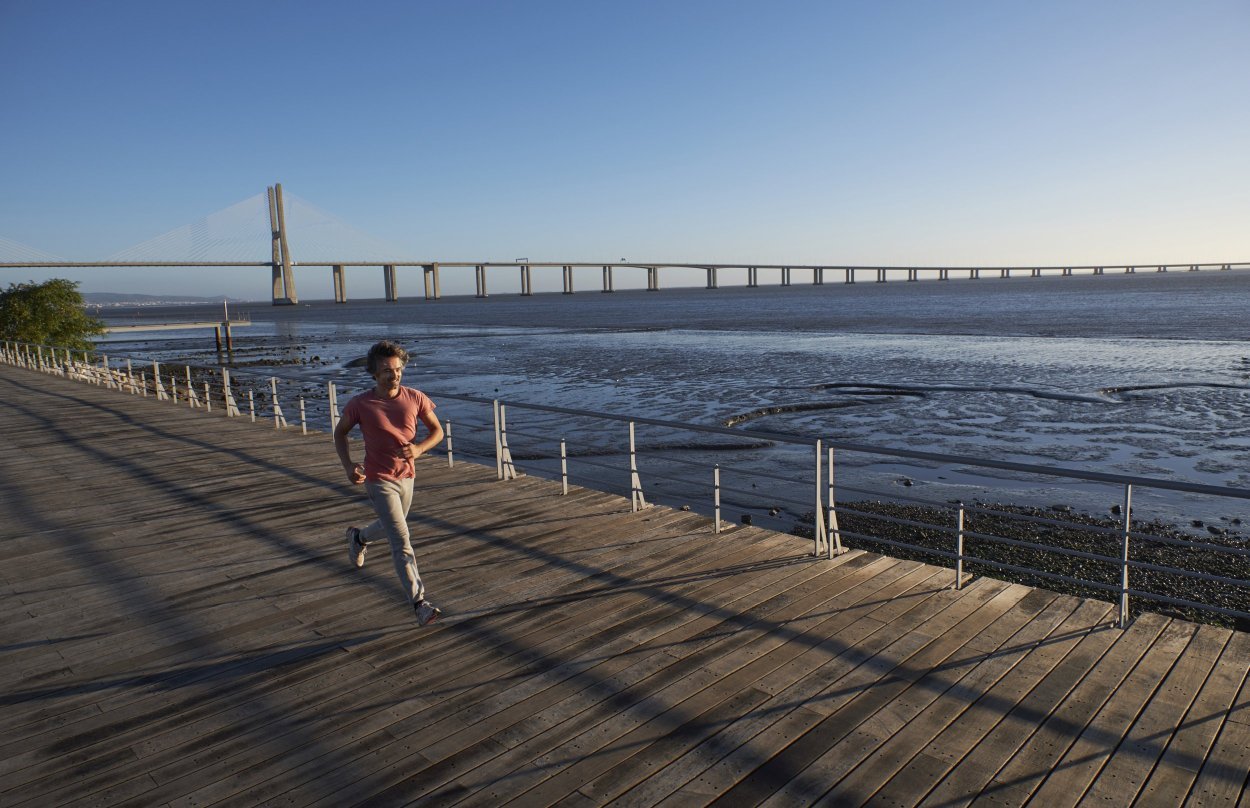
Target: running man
<point>388,415</point>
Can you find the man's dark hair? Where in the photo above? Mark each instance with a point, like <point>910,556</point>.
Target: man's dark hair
<point>384,350</point>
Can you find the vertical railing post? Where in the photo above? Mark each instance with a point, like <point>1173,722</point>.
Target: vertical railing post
<point>716,498</point>
<point>279,420</point>
<point>208,399</point>
<point>303,423</point>
<point>334,407</point>
<point>564,468</point>
<point>498,443</point>
<point>451,450</point>
<point>636,498</point>
<point>504,469</point>
<point>161,395</point>
<point>251,405</point>
<point>227,395</point>
<point>1128,518</point>
<point>820,537</point>
<point>959,549</point>
<point>509,469</point>
<point>832,506</point>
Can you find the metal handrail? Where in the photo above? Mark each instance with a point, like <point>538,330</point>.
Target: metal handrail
<point>864,448</point>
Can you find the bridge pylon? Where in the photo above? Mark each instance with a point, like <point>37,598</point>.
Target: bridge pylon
<point>283,277</point>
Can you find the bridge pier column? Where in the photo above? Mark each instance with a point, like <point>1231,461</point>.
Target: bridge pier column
<point>880,276</point>
<point>1098,270</point>
<point>711,277</point>
<point>912,274</point>
<point>1226,268</point>
<point>527,281</point>
<point>428,280</point>
<point>974,274</point>
<point>568,279</point>
<point>388,282</point>
<point>752,278</point>
<point>1067,272</point>
<point>1035,273</point>
<point>1130,270</point>
<point>653,279</point>
<point>607,279</point>
<point>479,274</point>
<point>284,285</point>
<point>785,276</point>
<point>818,276</point>
<point>1004,273</point>
<point>944,274</point>
<point>340,284</point>
<point>850,275</point>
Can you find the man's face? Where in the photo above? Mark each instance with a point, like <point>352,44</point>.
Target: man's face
<point>388,372</point>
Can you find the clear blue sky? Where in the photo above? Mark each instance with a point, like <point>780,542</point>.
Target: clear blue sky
<point>929,133</point>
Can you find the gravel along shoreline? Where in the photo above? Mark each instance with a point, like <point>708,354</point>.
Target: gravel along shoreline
<point>1226,555</point>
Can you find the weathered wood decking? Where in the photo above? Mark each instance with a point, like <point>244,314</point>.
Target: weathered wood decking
<point>181,627</point>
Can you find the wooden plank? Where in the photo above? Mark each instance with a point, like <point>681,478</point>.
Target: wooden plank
<point>864,689</point>
<point>1170,781</point>
<point>890,738</point>
<point>248,756</point>
<point>807,702</point>
<point>1080,764</point>
<point>1055,671</point>
<point>816,778</point>
<point>1136,754</point>
<point>1226,771</point>
<point>653,655</point>
<point>731,688</point>
<point>424,733</point>
<point>949,750</point>
<point>1016,781</point>
<point>690,761</point>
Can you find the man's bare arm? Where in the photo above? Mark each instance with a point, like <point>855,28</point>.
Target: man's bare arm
<point>355,471</point>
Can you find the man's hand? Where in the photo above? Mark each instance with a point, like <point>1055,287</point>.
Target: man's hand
<point>356,475</point>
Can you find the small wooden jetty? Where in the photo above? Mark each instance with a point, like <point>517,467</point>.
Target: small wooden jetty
<point>181,627</point>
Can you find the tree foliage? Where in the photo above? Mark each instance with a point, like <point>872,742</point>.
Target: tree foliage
<point>48,313</point>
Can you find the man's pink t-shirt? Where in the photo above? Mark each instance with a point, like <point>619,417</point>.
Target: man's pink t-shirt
<point>388,425</point>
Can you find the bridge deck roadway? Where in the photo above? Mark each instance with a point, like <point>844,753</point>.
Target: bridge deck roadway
<point>181,627</point>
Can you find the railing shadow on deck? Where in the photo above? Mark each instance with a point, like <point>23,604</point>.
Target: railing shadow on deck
<point>476,629</point>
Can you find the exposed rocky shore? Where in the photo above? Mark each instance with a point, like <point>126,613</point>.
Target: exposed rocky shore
<point>1224,553</point>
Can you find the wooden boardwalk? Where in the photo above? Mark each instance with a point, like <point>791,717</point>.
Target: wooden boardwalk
<point>181,627</point>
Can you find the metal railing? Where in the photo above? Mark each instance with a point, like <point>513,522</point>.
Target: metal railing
<point>1121,559</point>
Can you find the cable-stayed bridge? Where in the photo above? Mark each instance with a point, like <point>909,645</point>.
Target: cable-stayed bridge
<point>260,232</point>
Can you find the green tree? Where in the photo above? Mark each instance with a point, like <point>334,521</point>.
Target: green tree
<point>48,313</point>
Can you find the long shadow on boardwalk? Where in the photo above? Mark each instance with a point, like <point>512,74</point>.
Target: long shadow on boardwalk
<point>591,581</point>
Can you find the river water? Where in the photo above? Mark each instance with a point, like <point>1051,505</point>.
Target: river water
<point>1145,374</point>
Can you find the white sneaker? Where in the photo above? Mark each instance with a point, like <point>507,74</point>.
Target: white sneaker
<point>355,547</point>
<point>427,613</point>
